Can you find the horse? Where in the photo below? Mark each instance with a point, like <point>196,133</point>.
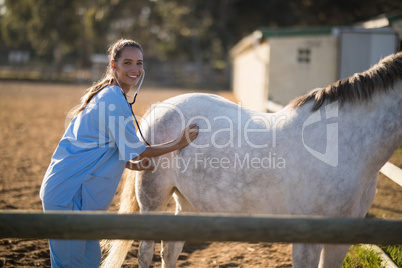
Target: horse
<point>319,155</point>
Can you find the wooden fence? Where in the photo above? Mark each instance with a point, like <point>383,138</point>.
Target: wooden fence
<point>392,172</point>
<point>203,227</point>
<point>198,227</point>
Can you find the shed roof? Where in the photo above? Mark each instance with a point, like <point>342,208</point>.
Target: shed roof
<point>395,17</point>
<point>264,33</point>
<point>295,31</point>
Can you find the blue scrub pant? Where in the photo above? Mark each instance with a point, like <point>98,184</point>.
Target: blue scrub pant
<point>73,253</point>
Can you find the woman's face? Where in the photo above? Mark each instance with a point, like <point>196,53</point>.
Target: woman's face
<point>129,67</point>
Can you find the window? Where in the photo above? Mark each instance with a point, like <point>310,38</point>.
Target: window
<point>304,55</point>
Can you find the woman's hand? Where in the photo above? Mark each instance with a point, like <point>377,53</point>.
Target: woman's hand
<point>143,164</point>
<point>187,136</point>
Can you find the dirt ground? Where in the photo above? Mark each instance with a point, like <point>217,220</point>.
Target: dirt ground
<point>32,120</point>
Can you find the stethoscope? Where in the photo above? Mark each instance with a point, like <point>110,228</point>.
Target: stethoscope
<point>131,103</point>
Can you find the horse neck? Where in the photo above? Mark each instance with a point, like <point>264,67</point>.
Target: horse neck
<point>374,125</point>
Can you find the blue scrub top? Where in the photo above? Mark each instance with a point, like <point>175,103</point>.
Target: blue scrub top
<point>92,153</point>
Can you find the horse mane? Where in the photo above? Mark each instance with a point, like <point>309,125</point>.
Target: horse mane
<point>360,86</point>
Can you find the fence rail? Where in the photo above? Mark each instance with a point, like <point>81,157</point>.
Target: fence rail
<point>198,227</point>
<point>392,172</point>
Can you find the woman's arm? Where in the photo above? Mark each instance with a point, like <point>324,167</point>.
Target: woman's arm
<point>142,162</point>
<point>186,137</point>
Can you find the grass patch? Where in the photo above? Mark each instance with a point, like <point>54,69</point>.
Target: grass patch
<point>360,257</point>
<point>395,253</point>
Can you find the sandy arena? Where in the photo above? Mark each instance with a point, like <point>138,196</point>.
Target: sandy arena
<point>32,119</point>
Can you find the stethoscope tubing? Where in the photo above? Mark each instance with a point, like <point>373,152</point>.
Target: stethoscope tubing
<point>132,103</point>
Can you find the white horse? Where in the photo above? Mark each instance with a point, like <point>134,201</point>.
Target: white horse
<point>320,155</point>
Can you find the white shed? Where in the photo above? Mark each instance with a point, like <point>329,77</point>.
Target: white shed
<point>279,65</point>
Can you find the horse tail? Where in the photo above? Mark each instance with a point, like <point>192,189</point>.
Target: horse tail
<point>116,250</point>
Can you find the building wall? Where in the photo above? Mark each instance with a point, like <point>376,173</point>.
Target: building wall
<point>397,27</point>
<point>359,50</point>
<point>250,77</point>
<point>299,64</point>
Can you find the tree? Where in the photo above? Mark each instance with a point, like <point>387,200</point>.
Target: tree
<point>52,28</point>
<point>201,32</point>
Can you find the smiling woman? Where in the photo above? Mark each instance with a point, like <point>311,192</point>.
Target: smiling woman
<point>128,68</point>
<point>122,55</point>
<point>98,144</point>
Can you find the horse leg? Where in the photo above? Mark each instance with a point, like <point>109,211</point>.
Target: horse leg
<point>333,255</point>
<point>170,253</point>
<point>145,253</point>
<point>306,255</point>
<point>171,249</point>
<point>153,193</point>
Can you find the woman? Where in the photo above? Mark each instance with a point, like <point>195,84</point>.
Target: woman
<point>98,144</point>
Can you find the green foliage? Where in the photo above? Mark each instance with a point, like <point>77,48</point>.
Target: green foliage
<point>13,24</point>
<point>182,30</point>
<point>360,257</point>
<point>49,27</point>
<point>395,253</point>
